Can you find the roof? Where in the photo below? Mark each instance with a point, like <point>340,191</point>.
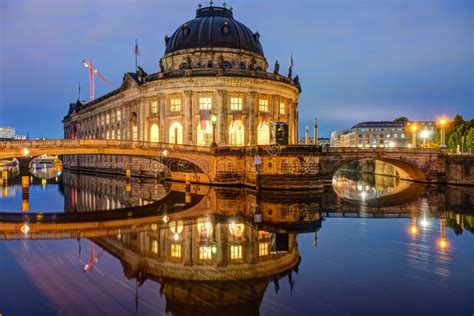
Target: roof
<point>214,27</point>
<point>379,124</point>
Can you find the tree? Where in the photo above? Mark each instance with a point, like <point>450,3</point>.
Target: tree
<point>470,139</point>
<point>402,119</point>
<point>453,141</point>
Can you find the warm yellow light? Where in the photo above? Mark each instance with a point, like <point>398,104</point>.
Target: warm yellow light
<point>25,228</point>
<point>442,122</point>
<point>414,230</point>
<point>414,127</point>
<point>443,243</point>
<point>25,152</point>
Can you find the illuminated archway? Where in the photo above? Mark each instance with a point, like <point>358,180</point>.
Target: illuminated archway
<point>154,133</point>
<point>204,133</point>
<point>176,133</point>
<point>236,133</point>
<point>263,134</point>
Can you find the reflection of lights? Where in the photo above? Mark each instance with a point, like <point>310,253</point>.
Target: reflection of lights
<point>414,230</point>
<point>25,228</point>
<point>359,187</point>
<point>363,195</point>
<point>424,223</point>
<point>443,243</point>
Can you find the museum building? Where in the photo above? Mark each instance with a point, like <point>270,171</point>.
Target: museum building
<point>213,75</point>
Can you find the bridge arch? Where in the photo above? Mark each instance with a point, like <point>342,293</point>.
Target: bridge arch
<point>405,170</point>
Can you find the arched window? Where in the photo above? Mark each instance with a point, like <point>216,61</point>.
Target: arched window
<point>236,133</point>
<point>176,133</point>
<point>204,133</point>
<point>263,136</point>
<point>154,133</point>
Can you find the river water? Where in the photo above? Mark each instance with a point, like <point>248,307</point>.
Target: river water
<point>102,245</point>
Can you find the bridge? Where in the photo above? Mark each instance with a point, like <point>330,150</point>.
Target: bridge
<point>275,167</point>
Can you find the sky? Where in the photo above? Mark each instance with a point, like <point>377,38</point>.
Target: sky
<point>357,60</point>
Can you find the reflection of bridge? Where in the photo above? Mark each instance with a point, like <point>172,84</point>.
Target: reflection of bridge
<point>280,166</point>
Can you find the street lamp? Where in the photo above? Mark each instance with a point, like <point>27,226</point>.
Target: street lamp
<point>442,123</point>
<point>413,128</point>
<point>214,123</point>
<point>425,134</point>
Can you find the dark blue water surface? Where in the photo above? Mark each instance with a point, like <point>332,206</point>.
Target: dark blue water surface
<point>158,248</point>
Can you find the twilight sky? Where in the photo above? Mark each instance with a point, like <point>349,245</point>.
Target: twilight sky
<point>357,60</point>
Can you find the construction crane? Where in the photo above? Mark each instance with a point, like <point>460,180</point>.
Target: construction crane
<point>93,71</point>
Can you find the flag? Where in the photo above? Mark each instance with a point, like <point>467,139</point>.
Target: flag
<point>136,50</point>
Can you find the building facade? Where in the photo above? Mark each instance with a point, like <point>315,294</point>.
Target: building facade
<point>371,134</point>
<point>213,66</point>
<point>9,133</point>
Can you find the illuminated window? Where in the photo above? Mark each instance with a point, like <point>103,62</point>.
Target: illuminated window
<point>205,103</point>
<point>235,252</point>
<point>154,107</point>
<point>113,134</point>
<point>119,134</point>
<point>176,250</point>
<point>98,121</point>
<point>108,135</point>
<point>119,115</point>
<point>154,246</point>
<point>107,118</point>
<point>236,104</point>
<point>205,252</point>
<point>263,136</point>
<point>102,120</point>
<point>263,249</point>
<point>204,135</point>
<point>154,133</point>
<point>263,105</point>
<point>236,133</point>
<point>176,133</point>
<point>175,105</point>
<point>282,108</point>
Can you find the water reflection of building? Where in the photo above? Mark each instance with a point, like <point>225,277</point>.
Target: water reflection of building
<point>84,192</point>
<point>234,262</point>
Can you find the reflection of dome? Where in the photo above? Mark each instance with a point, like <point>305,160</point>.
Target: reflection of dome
<point>214,27</point>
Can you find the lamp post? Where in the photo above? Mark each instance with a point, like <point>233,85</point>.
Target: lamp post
<point>442,124</point>
<point>425,134</point>
<point>413,128</point>
<point>214,123</point>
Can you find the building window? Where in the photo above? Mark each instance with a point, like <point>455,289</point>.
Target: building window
<point>119,132</point>
<point>154,246</point>
<point>235,252</point>
<point>154,133</point>
<point>154,107</point>
<point>119,115</point>
<point>282,108</point>
<point>236,104</point>
<point>98,121</point>
<point>175,105</point>
<point>176,250</point>
<point>102,120</point>
<point>204,133</point>
<point>236,133</point>
<point>205,252</point>
<point>263,249</point>
<point>205,103</point>
<point>107,118</point>
<point>263,105</point>
<point>176,133</point>
<point>263,136</point>
<point>113,134</point>
<point>108,135</point>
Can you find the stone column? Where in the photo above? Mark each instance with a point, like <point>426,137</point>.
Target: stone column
<point>222,110</point>
<point>291,122</point>
<point>221,237</point>
<point>162,106</point>
<point>276,108</point>
<point>188,118</point>
<point>188,245</point>
<point>252,112</point>
<point>315,141</point>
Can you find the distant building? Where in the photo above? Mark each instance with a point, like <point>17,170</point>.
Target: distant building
<point>9,133</point>
<point>371,134</point>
